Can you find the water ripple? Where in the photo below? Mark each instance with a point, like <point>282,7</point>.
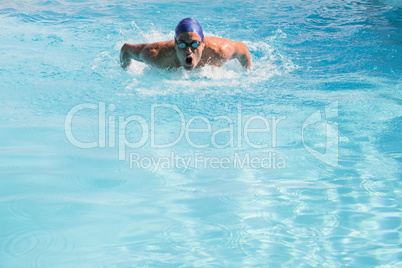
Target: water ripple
<point>36,241</point>
<point>18,205</point>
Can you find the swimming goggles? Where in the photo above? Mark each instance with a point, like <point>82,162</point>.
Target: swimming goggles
<point>183,45</point>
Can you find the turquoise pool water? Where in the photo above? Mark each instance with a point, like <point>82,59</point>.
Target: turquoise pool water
<point>294,164</point>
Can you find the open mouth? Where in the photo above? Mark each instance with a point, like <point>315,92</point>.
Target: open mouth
<point>189,60</point>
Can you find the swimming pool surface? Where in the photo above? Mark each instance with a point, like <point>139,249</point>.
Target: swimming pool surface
<point>294,164</point>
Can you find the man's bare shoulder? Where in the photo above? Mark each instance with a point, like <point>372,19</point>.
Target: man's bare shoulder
<point>159,49</point>
<point>160,54</point>
<point>217,39</point>
<point>217,43</point>
<point>219,47</point>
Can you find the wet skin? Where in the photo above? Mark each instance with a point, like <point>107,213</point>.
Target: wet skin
<point>213,51</point>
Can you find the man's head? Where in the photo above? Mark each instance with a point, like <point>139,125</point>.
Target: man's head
<point>189,43</point>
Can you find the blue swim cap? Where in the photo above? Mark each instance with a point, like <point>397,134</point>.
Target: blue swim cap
<point>189,25</point>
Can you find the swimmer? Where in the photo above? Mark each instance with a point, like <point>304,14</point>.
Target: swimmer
<point>189,49</point>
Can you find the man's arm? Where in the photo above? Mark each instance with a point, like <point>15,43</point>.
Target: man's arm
<point>242,54</point>
<point>131,51</point>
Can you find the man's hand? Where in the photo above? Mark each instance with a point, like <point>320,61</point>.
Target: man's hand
<point>125,59</point>
<point>243,55</point>
<point>131,51</point>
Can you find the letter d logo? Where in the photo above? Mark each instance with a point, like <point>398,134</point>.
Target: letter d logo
<point>331,153</point>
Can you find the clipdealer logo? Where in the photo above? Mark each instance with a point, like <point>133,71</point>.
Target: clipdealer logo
<point>230,134</point>
<point>113,129</point>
